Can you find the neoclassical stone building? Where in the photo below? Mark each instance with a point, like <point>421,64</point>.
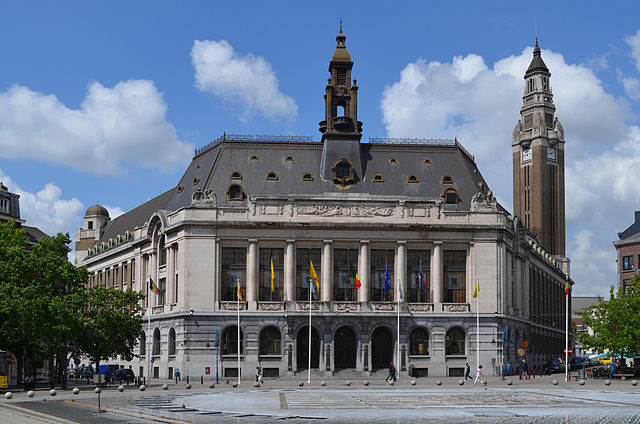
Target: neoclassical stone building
<point>256,211</point>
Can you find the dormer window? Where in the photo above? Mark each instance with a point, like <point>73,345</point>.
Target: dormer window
<point>307,177</point>
<point>289,159</point>
<point>447,180</point>
<point>412,179</point>
<point>235,175</point>
<point>427,161</point>
<point>378,178</point>
<point>180,188</point>
<point>235,192</point>
<point>393,161</point>
<point>272,176</point>
<point>254,158</point>
<point>451,196</point>
<point>196,180</point>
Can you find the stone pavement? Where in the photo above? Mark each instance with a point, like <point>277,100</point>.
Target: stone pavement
<point>525,401</point>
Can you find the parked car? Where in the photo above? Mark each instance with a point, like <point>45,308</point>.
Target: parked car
<point>123,375</point>
<point>604,361</point>
<point>86,372</point>
<point>577,362</point>
<point>557,365</point>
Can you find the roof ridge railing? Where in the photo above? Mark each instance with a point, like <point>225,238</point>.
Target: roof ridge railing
<point>253,137</point>
<point>399,140</point>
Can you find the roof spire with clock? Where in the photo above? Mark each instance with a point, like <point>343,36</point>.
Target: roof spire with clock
<point>538,160</point>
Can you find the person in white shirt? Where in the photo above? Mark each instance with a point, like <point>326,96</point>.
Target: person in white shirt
<point>478,375</point>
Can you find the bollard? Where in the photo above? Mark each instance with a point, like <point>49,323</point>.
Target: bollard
<point>76,391</point>
<point>142,388</point>
<point>607,382</point>
<point>31,393</point>
<point>581,382</point>
<point>235,384</point>
<point>121,388</point>
<point>201,379</point>
<point>554,382</point>
<point>300,383</point>
<point>212,385</point>
<point>97,390</point>
<point>188,386</point>
<point>391,382</point>
<point>256,384</point>
<point>439,383</point>
<point>460,382</point>
<point>323,383</point>
<point>366,383</point>
<point>413,382</point>
<point>53,392</point>
<point>8,395</point>
<point>187,379</point>
<point>347,383</point>
<point>509,383</point>
<point>165,387</point>
<point>634,382</point>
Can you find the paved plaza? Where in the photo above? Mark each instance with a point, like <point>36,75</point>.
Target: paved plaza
<point>529,401</point>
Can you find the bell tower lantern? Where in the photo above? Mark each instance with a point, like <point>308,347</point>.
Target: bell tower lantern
<point>341,97</point>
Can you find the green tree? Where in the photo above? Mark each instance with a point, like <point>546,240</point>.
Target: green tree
<point>615,323</point>
<point>111,323</point>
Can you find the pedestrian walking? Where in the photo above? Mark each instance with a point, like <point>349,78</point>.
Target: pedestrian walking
<point>176,374</point>
<point>478,375</point>
<point>392,373</point>
<point>259,375</point>
<point>524,371</point>
<point>467,372</point>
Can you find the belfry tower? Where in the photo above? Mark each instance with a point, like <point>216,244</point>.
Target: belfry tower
<point>538,160</point>
<point>341,98</point>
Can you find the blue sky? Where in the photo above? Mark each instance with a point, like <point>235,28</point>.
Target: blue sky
<point>103,102</point>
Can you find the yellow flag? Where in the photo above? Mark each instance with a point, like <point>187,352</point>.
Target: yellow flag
<point>312,274</point>
<point>239,291</point>
<point>476,289</point>
<point>273,274</point>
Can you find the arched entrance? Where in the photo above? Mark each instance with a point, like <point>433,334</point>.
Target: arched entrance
<point>302,348</point>
<point>381,348</point>
<point>345,348</point>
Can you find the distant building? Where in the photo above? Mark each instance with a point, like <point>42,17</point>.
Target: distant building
<point>395,229</point>
<point>578,305</point>
<point>628,253</point>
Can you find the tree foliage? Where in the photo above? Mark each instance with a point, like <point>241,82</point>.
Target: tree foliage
<point>615,323</point>
<point>46,309</point>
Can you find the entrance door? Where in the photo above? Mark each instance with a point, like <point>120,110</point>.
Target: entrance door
<point>345,348</point>
<point>302,348</point>
<point>381,348</point>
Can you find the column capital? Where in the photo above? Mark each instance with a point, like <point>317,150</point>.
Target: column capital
<point>253,241</point>
<point>364,241</point>
<point>437,243</point>
<point>290,241</point>
<point>327,241</point>
<point>402,242</point>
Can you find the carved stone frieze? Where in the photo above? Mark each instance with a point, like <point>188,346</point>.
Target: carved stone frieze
<point>304,306</point>
<point>202,197</point>
<point>334,210</point>
<point>481,202</point>
<point>271,209</point>
<point>421,307</point>
<point>346,306</point>
<point>383,306</point>
<point>270,306</point>
<point>455,307</point>
<point>232,306</point>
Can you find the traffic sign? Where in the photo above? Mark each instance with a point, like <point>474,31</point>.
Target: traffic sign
<point>77,361</point>
<point>207,370</point>
<point>521,352</point>
<point>568,350</point>
<point>10,359</point>
<point>525,343</point>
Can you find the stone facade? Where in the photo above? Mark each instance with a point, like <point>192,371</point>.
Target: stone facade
<point>412,221</point>
<point>628,253</point>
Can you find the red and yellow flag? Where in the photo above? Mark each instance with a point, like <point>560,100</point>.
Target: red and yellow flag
<point>239,291</point>
<point>273,274</point>
<point>153,287</point>
<point>567,287</point>
<point>358,283</point>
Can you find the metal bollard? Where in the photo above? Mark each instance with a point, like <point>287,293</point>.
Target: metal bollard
<point>201,379</point>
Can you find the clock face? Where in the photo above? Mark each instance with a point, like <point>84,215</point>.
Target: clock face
<point>551,153</point>
<point>526,155</point>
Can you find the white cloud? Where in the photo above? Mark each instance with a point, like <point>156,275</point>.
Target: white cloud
<point>114,211</point>
<point>46,209</point>
<point>113,127</point>
<point>631,87</point>
<point>248,82</point>
<point>480,105</point>
<point>634,42</point>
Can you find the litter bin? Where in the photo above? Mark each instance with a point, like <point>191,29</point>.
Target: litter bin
<point>508,369</point>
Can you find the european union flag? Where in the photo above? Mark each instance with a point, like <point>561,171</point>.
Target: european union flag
<point>387,279</point>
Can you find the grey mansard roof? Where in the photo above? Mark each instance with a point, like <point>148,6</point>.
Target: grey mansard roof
<point>254,157</point>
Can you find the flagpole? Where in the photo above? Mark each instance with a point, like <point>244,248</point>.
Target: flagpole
<point>309,370</point>
<point>149,352</point>
<point>566,335</point>
<point>477,324</point>
<point>398,328</point>
<point>238,308</point>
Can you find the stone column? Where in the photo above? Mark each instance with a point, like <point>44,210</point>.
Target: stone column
<point>171,275</point>
<point>252,273</point>
<point>326,288</point>
<point>363,271</point>
<point>290,271</point>
<point>436,275</point>
<point>400,270</point>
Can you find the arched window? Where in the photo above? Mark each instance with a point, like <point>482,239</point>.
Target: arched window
<point>156,342</point>
<point>289,159</point>
<point>162,252</point>
<point>451,196</point>
<point>143,344</point>
<point>235,192</point>
<point>307,177</point>
<point>447,180</point>
<point>455,342</point>
<point>230,340</point>
<point>272,176</point>
<point>255,158</point>
<point>427,161</point>
<point>180,188</point>
<point>196,180</point>
<point>378,178</point>
<point>172,342</point>
<point>236,175</point>
<point>270,341</point>
<point>412,179</point>
<point>419,342</point>
<point>393,161</point>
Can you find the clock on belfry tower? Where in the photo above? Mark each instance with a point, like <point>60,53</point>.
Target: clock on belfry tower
<point>538,160</point>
